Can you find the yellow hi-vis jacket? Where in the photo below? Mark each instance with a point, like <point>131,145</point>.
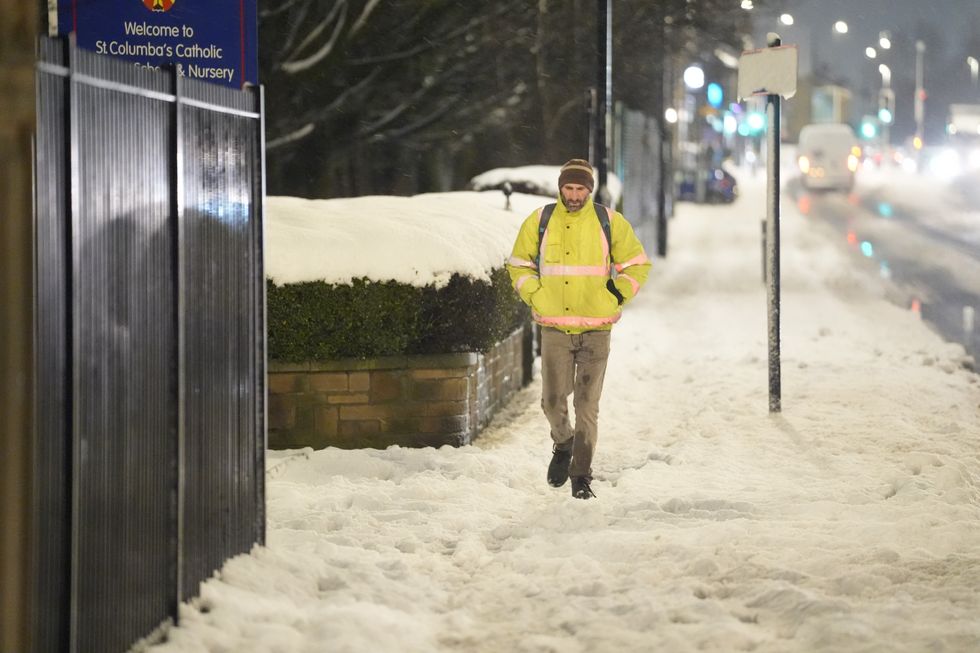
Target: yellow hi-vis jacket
<point>569,291</point>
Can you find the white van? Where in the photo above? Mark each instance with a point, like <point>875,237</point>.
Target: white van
<point>828,156</point>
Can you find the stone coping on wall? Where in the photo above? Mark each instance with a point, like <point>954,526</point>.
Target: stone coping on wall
<point>431,361</point>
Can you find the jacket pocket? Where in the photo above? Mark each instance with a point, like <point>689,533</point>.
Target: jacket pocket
<point>600,302</point>
<point>535,299</point>
<point>552,253</point>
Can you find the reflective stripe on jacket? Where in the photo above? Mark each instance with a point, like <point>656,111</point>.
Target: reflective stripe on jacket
<point>569,291</point>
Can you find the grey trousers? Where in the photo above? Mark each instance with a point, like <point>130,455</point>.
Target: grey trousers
<point>573,364</point>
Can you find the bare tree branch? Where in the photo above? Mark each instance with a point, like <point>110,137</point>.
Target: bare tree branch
<point>266,12</point>
<point>362,19</point>
<point>293,67</point>
<point>296,135</point>
<point>316,31</point>
<point>428,44</point>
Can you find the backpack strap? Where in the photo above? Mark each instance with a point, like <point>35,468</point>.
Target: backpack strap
<point>542,226</point>
<point>603,213</point>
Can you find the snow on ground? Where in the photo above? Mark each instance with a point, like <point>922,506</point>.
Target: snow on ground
<point>850,522</point>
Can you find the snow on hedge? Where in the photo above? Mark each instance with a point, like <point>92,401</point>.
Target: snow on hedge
<point>417,240</point>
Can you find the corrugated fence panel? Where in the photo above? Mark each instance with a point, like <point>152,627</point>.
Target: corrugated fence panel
<point>221,218</point>
<point>640,158</point>
<point>125,387</point>
<point>151,363</point>
<point>53,445</point>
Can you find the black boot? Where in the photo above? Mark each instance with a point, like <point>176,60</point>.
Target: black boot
<point>558,469</point>
<point>581,488</point>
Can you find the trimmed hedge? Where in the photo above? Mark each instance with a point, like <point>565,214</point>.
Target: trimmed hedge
<point>316,321</point>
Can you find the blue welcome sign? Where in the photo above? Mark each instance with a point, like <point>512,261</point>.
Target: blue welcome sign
<point>214,40</point>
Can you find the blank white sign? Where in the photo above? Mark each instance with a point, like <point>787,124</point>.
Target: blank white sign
<point>769,71</point>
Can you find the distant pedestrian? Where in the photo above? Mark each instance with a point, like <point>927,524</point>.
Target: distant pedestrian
<point>562,267</point>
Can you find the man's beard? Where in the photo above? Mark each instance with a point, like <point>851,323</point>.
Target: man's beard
<point>573,205</point>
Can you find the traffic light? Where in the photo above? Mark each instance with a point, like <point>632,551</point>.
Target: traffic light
<point>886,106</point>
<point>715,94</point>
<point>868,128</point>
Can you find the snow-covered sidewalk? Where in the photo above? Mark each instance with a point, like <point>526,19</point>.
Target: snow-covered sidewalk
<point>850,522</point>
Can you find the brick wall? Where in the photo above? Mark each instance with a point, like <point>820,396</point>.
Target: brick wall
<point>412,401</point>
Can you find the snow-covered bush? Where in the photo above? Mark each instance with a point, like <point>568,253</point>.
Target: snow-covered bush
<point>380,276</point>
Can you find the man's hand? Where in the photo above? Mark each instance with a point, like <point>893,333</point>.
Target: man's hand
<point>611,287</point>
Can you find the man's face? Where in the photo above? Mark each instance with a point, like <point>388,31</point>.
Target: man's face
<point>574,196</point>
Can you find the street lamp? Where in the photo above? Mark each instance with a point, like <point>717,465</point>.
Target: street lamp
<point>884,40</point>
<point>747,5</point>
<point>870,52</point>
<point>694,77</point>
<point>886,75</point>
<point>840,27</point>
<point>694,82</point>
<point>786,19</point>
<point>920,93</point>
<point>974,69</point>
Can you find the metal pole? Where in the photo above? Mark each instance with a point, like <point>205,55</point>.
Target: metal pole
<point>920,49</point>
<point>75,381</point>
<point>772,251</point>
<point>178,214</point>
<point>659,108</point>
<point>591,112</point>
<point>604,99</point>
<point>886,100</point>
<point>764,225</point>
<point>662,181</point>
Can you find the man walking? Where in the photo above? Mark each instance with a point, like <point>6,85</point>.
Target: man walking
<point>562,267</point>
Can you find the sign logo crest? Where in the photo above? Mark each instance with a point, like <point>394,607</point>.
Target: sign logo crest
<point>158,5</point>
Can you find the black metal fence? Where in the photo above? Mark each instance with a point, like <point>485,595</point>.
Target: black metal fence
<point>150,328</point>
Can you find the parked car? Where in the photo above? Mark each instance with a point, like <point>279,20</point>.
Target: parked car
<point>720,186</point>
<point>828,156</point>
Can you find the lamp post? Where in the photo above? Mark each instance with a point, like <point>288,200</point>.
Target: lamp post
<point>920,49</point>
<point>886,103</point>
<point>974,69</point>
<point>603,97</point>
<point>694,82</point>
<point>886,75</point>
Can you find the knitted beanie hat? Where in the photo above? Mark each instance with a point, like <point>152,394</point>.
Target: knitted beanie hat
<point>577,171</point>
